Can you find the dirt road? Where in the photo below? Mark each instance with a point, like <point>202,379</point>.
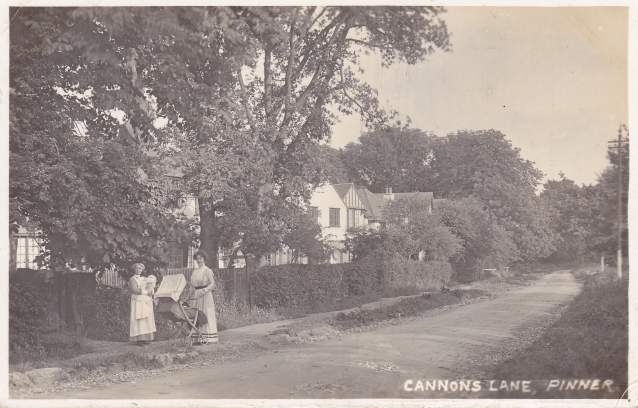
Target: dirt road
<point>373,364</point>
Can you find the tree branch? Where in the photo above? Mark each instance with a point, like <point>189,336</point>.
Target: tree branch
<point>267,82</point>
<point>291,58</point>
<point>244,95</point>
<point>302,98</point>
<point>367,44</point>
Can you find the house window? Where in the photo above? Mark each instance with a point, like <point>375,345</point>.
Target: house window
<point>176,257</point>
<point>314,213</point>
<point>191,260</point>
<point>27,249</point>
<point>334,217</point>
<point>353,219</point>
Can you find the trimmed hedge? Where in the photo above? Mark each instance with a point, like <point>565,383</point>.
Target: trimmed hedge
<point>306,286</point>
<point>424,276</point>
<point>296,285</point>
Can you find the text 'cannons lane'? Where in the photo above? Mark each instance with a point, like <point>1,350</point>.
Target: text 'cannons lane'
<point>554,388</point>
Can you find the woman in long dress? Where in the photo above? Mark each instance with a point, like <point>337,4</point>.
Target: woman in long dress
<point>142,326</point>
<point>203,281</point>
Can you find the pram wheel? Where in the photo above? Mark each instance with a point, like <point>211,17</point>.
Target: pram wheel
<point>203,340</point>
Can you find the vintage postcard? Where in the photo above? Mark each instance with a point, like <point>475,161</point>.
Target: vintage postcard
<point>319,204</point>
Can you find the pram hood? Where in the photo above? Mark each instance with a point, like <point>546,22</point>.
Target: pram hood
<point>171,286</point>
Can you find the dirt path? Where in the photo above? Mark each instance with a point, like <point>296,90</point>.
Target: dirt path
<point>365,365</point>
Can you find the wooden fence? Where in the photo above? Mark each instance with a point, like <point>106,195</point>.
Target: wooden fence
<point>236,281</point>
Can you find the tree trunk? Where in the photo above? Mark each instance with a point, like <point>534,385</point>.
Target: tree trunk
<point>208,234</point>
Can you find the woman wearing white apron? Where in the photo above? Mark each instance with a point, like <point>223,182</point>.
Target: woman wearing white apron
<point>203,281</point>
<point>142,327</point>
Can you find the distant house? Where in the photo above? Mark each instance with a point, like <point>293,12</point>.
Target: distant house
<point>374,203</point>
<point>338,207</point>
<point>427,197</point>
<point>328,207</point>
<point>355,209</point>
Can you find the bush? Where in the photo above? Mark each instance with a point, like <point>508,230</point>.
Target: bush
<point>296,285</point>
<point>423,276</point>
<point>364,277</point>
<point>112,313</point>
<point>306,286</point>
<point>28,318</point>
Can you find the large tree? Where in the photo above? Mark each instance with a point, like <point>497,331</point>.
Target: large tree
<point>392,157</point>
<point>483,164</point>
<point>572,213</point>
<point>485,243</point>
<point>271,73</point>
<point>412,229</point>
<point>92,191</point>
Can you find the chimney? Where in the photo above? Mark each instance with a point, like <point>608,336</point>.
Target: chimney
<point>388,194</point>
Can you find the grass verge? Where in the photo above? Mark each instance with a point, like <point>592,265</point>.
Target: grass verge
<point>404,308</point>
<point>589,340</point>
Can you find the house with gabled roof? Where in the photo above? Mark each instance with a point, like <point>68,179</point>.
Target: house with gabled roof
<point>355,216</point>
<point>337,207</point>
<point>374,203</point>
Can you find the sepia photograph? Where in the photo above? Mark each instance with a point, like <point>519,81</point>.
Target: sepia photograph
<point>304,204</point>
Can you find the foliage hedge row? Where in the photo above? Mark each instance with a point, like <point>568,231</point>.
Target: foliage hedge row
<point>105,312</point>
<point>306,286</point>
<point>27,318</point>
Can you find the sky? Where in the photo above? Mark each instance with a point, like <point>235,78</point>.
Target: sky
<point>553,80</point>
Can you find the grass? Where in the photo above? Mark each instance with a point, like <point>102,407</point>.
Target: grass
<point>329,306</point>
<point>55,347</point>
<point>404,308</point>
<point>589,340</point>
<point>233,313</point>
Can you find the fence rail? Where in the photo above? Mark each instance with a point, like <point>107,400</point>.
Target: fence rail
<point>235,281</point>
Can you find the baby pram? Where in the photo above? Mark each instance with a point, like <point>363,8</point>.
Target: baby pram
<point>180,312</point>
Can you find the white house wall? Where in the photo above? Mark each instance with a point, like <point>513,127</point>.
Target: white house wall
<point>324,198</point>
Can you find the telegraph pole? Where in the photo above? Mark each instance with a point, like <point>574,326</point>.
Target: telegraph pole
<point>620,195</point>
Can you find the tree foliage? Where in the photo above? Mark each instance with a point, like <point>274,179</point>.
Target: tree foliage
<point>585,218</point>
<point>485,243</point>
<point>483,164</point>
<point>572,214</point>
<point>393,157</point>
<point>271,73</point>
<point>93,193</point>
<point>304,237</point>
<point>410,231</point>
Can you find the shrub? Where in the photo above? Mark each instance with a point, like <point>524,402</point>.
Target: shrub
<point>306,286</point>
<point>364,277</point>
<point>423,276</point>
<point>28,305</point>
<point>296,285</point>
<point>112,313</point>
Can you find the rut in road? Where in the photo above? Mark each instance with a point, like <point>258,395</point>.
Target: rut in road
<point>364,365</point>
